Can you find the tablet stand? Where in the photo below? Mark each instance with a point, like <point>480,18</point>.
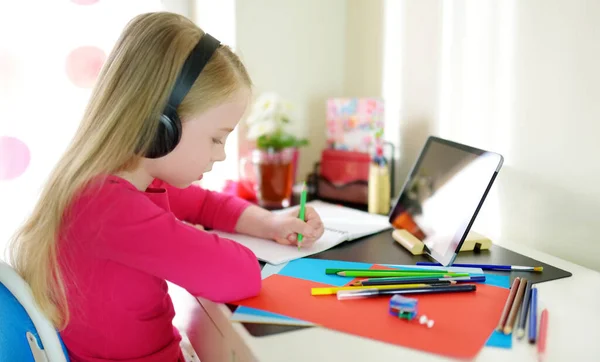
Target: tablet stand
<point>473,242</point>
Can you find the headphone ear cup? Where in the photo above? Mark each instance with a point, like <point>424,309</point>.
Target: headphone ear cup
<point>167,136</point>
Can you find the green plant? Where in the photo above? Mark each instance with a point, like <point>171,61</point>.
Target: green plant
<point>269,122</point>
<point>280,140</point>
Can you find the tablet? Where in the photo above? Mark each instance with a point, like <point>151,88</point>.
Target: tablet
<point>442,195</point>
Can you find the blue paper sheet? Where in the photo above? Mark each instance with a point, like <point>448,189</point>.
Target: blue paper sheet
<point>502,281</point>
<point>314,270</point>
<point>499,340</point>
<point>247,314</point>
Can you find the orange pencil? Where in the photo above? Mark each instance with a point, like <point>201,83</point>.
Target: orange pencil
<point>509,302</point>
<point>512,316</point>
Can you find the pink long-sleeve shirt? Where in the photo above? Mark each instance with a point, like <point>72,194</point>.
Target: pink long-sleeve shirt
<point>117,248</point>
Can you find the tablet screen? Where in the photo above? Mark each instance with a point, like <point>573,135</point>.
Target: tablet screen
<point>443,194</point>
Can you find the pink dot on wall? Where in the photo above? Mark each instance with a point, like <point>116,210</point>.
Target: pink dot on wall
<point>14,157</point>
<point>84,2</point>
<point>84,65</point>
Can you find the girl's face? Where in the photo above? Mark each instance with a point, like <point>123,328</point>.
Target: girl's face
<point>202,143</point>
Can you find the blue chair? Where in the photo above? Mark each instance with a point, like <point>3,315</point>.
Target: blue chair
<point>25,333</point>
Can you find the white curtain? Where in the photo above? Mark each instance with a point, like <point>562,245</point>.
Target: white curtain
<point>449,71</point>
<point>476,92</point>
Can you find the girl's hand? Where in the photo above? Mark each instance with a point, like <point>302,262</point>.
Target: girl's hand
<point>197,226</point>
<point>286,227</point>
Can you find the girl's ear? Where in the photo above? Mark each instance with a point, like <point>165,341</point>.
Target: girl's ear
<point>168,133</point>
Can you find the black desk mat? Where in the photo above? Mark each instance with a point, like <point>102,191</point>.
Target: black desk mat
<point>382,249</point>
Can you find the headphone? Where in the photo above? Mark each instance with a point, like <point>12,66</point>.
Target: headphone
<point>168,133</point>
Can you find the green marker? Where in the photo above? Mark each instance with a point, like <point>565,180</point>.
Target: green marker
<point>302,210</point>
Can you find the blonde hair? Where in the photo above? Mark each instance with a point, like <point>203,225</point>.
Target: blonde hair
<point>126,102</point>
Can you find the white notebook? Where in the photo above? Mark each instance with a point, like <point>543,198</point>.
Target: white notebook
<point>341,224</point>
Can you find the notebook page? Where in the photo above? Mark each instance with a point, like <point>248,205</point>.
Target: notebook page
<point>354,223</point>
<point>273,253</point>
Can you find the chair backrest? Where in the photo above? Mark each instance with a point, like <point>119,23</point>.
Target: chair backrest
<point>25,333</point>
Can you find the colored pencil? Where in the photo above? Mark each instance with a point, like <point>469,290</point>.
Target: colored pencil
<point>430,281</point>
<point>490,266</point>
<point>533,316</point>
<point>366,292</point>
<point>391,273</point>
<point>334,290</point>
<point>331,271</point>
<point>302,211</point>
<point>524,310</point>
<point>541,347</point>
<point>508,304</point>
<point>387,281</point>
<point>514,310</point>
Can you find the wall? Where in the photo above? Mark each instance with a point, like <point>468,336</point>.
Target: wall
<point>313,50</point>
<point>364,48</point>
<point>295,48</point>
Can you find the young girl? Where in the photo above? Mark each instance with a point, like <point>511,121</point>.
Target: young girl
<point>113,222</point>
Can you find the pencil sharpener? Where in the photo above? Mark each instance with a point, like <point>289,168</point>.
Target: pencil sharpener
<point>403,307</point>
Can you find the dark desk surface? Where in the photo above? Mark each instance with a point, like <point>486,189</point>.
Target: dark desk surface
<point>381,248</point>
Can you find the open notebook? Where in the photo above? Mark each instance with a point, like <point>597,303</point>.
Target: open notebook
<point>341,224</point>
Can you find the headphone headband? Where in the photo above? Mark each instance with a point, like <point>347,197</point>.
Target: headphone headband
<point>169,127</point>
<point>191,69</point>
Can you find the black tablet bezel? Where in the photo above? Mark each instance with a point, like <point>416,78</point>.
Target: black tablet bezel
<point>448,260</point>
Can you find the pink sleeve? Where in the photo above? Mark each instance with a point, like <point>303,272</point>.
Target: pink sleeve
<point>210,209</point>
<point>144,236</point>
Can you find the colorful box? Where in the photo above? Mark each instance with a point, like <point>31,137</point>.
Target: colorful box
<point>355,124</point>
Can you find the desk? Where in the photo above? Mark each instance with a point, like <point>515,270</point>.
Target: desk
<point>573,334</point>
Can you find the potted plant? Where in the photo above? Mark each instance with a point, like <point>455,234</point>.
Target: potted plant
<point>275,157</point>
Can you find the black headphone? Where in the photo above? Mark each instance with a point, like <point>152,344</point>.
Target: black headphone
<point>168,133</point>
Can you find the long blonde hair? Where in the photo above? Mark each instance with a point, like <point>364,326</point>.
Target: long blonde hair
<point>130,94</point>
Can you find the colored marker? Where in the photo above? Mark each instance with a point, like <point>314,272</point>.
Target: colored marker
<point>334,290</point>
<point>302,211</point>
<point>543,332</point>
<point>533,316</point>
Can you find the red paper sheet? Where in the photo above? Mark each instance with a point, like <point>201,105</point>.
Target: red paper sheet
<point>463,321</point>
